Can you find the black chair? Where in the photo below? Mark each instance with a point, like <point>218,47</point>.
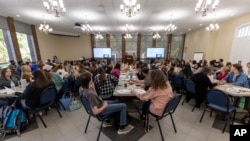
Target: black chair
<point>47,99</point>
<point>88,109</point>
<point>178,82</point>
<point>169,110</point>
<point>219,101</point>
<point>191,91</point>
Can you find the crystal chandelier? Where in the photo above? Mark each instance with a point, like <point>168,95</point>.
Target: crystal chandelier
<point>99,36</point>
<point>45,28</point>
<point>213,27</point>
<point>56,6</point>
<point>86,27</point>
<point>205,6</point>
<point>130,8</point>
<point>156,36</point>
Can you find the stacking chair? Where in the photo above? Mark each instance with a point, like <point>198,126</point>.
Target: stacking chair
<point>88,109</point>
<point>178,82</point>
<point>169,110</point>
<point>219,101</point>
<point>47,99</point>
<point>191,90</point>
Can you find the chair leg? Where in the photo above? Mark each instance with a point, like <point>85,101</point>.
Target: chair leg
<point>99,132</point>
<point>225,124</point>
<point>211,112</point>
<point>58,111</point>
<point>203,114</point>
<point>60,103</point>
<point>160,130</point>
<point>87,124</point>
<point>172,119</point>
<point>184,100</point>
<point>234,117</point>
<point>42,120</point>
<point>193,108</point>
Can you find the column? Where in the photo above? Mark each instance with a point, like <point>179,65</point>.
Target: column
<point>36,45</point>
<point>138,47</point>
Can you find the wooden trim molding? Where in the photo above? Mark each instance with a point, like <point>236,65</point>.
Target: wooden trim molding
<point>38,54</point>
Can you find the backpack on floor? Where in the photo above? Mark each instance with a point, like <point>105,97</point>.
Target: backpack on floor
<point>3,112</point>
<point>15,121</point>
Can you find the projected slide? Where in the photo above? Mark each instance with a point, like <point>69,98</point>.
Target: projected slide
<point>155,53</point>
<point>102,52</point>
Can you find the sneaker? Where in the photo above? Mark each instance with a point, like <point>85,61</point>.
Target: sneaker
<point>126,130</point>
<point>107,124</point>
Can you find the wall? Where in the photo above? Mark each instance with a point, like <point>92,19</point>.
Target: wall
<point>65,48</point>
<point>217,44</point>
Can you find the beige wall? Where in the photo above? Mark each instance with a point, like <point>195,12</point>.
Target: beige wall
<point>217,44</point>
<point>65,48</point>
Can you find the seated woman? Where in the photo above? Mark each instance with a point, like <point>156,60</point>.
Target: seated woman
<point>33,91</point>
<point>223,72</point>
<point>239,78</point>
<point>202,82</point>
<point>105,84</point>
<point>236,77</point>
<point>158,95</point>
<point>5,81</point>
<point>102,108</point>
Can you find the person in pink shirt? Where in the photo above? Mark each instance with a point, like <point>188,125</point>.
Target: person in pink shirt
<point>159,93</point>
<point>116,70</point>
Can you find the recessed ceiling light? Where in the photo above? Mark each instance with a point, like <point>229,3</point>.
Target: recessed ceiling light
<point>200,24</point>
<point>189,29</point>
<point>232,14</point>
<point>18,16</point>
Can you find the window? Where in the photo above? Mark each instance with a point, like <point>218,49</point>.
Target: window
<point>146,42</point>
<point>101,42</point>
<point>24,46</point>
<point>243,31</point>
<point>131,45</point>
<point>177,46</point>
<point>4,56</point>
<point>116,47</point>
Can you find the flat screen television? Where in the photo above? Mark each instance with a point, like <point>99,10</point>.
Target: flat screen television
<point>155,52</point>
<point>102,52</point>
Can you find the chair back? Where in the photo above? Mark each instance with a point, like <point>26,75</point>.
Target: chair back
<point>172,105</point>
<point>86,104</point>
<point>48,96</point>
<point>218,98</point>
<point>178,80</point>
<point>190,86</point>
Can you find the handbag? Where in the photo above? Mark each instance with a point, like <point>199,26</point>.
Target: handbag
<point>74,105</point>
<point>65,100</point>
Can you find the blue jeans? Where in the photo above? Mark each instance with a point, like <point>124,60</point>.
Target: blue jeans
<point>113,107</point>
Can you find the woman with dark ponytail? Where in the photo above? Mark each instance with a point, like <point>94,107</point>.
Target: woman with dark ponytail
<point>105,84</point>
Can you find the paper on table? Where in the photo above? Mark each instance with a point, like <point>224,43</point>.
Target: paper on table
<point>9,91</point>
<point>140,91</point>
<point>123,91</point>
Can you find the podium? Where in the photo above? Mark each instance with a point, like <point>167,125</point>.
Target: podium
<point>128,59</point>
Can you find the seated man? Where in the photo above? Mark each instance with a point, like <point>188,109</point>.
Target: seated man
<point>103,108</point>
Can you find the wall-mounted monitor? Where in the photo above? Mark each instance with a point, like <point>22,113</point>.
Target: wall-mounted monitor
<point>155,52</point>
<point>102,52</point>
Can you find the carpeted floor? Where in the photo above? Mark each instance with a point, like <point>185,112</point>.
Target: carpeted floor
<point>134,135</point>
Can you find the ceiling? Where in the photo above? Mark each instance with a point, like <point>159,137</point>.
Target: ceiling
<point>104,15</point>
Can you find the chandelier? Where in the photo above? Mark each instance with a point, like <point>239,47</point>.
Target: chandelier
<point>45,28</point>
<point>127,36</point>
<point>56,6</point>
<point>213,27</point>
<point>130,8</point>
<point>86,27</point>
<point>99,36</point>
<point>170,28</point>
<point>205,6</point>
<point>156,36</point>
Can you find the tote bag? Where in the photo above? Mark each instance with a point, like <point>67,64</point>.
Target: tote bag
<point>65,100</point>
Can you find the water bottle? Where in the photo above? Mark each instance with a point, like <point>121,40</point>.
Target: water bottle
<point>12,85</point>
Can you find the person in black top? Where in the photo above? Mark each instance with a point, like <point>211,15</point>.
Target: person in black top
<point>202,82</point>
<point>187,71</point>
<point>33,91</point>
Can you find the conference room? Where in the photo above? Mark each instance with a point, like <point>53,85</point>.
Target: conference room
<point>65,40</point>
